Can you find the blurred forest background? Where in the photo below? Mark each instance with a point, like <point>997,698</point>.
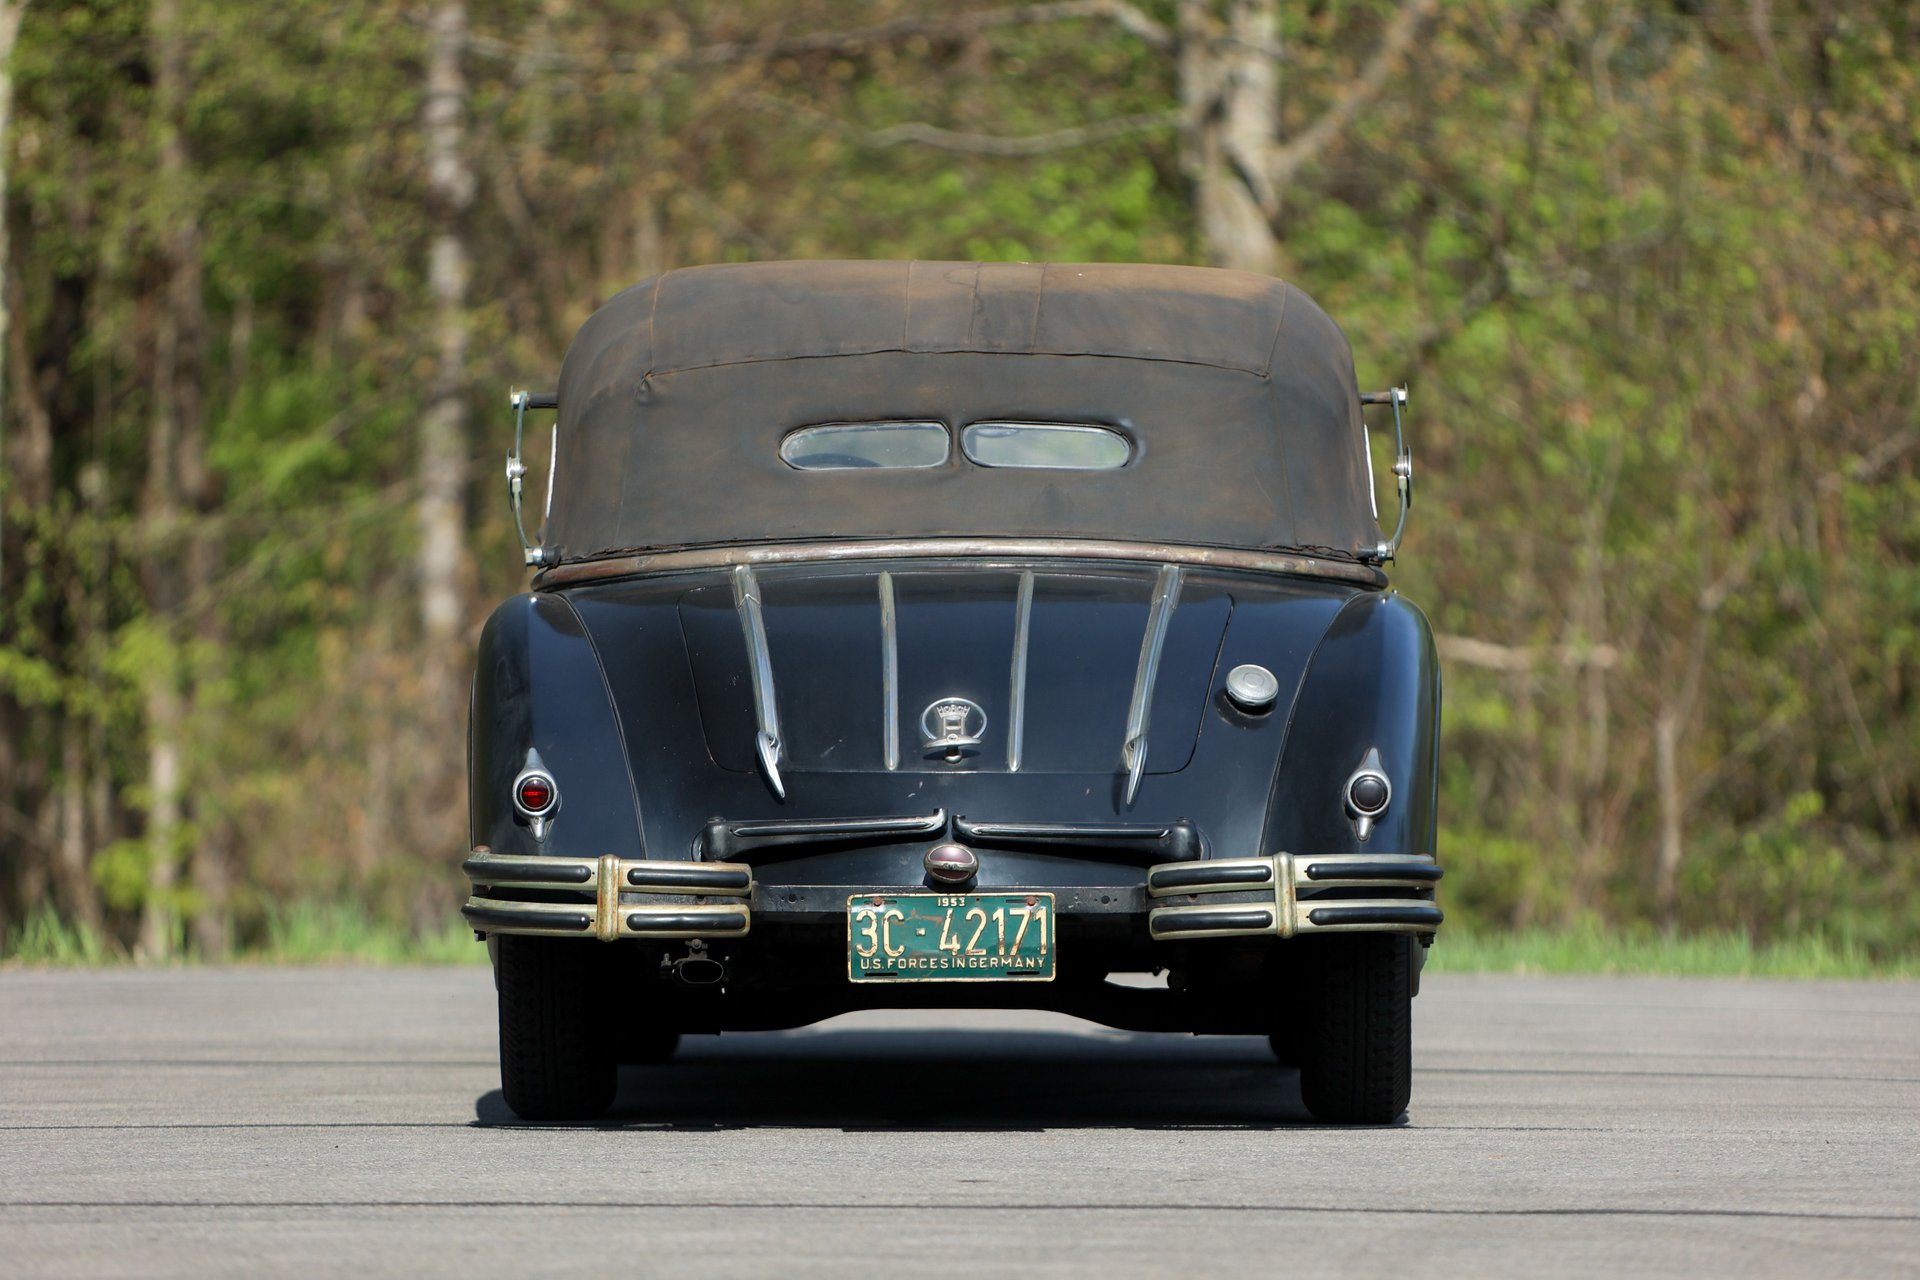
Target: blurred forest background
<point>1652,270</point>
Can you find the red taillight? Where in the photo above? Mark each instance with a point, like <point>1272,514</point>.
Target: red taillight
<point>535,793</point>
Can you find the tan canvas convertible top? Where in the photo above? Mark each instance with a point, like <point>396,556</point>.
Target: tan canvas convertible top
<point>1236,392</point>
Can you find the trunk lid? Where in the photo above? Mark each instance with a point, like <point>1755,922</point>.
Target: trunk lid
<point>1056,700</point>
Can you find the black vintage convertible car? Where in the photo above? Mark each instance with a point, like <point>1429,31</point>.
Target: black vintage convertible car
<point>959,635</point>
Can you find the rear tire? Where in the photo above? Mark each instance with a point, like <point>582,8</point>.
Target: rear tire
<point>557,1058</point>
<point>648,1048</point>
<point>1356,1061</point>
<point>1285,1051</point>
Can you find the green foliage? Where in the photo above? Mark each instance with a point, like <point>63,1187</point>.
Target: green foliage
<point>1648,269</point>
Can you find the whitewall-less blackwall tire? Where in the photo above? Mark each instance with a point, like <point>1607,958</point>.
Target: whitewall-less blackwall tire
<point>1356,1056</point>
<point>558,1059</point>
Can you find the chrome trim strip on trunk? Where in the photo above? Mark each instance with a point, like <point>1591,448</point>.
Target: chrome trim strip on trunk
<point>687,559</point>
<point>1017,677</point>
<point>770,839</point>
<point>746,598</point>
<point>917,825</point>
<point>1139,844</point>
<point>1133,751</point>
<point>889,671</point>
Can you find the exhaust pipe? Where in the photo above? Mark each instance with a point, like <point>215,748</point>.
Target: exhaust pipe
<point>699,971</point>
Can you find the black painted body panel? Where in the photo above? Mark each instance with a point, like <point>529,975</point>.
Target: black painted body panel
<point>1374,682</point>
<point>538,684</point>
<point>636,695</point>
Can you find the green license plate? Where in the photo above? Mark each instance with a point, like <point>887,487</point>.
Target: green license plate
<point>950,937</point>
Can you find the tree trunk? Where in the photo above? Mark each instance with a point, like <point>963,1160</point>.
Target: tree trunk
<point>1229,98</point>
<point>10,13</point>
<point>73,886</point>
<point>10,719</point>
<point>443,428</point>
<point>181,558</point>
<point>1229,101</point>
<point>1666,772</point>
<point>159,929</point>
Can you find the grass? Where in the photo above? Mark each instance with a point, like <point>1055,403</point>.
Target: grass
<point>43,938</point>
<point>1603,951</point>
<point>330,933</point>
<point>306,933</point>
<point>337,933</point>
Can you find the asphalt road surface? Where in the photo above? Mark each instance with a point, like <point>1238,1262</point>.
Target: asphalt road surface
<point>257,1122</point>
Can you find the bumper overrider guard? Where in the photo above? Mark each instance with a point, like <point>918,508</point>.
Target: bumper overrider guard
<point>1252,897</point>
<point>609,879</point>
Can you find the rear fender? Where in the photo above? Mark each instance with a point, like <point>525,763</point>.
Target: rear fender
<point>1373,682</point>
<point>538,684</point>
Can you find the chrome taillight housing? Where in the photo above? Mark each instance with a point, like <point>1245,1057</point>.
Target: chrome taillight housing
<point>536,796</point>
<point>1368,794</point>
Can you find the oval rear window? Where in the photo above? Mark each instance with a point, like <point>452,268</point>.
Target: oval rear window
<point>842,446</point>
<point>1068,446</point>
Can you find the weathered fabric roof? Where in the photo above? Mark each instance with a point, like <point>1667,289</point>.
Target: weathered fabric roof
<point>1237,391</point>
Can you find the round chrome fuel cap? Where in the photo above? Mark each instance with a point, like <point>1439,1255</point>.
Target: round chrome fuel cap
<point>1252,687</point>
<point>952,863</point>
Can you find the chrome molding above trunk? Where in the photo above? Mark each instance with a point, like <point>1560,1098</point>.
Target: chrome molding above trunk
<point>687,559</point>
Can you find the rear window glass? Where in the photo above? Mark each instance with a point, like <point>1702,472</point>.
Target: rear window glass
<point>840,446</point>
<point>1071,446</point>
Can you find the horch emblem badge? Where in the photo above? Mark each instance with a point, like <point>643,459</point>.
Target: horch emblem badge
<point>951,726</point>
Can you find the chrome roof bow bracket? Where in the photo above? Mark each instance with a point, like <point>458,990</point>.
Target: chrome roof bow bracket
<point>1402,471</point>
<point>522,401</point>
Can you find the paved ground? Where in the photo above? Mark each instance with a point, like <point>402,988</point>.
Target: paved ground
<point>293,1122</point>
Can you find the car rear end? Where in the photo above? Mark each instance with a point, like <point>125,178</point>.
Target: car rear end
<point>764,795</point>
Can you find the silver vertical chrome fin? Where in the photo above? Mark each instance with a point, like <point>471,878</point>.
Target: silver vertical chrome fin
<point>746,599</point>
<point>889,671</point>
<point>1017,678</point>
<point>1133,753</point>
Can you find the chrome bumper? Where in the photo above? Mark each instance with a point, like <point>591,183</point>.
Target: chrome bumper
<point>1255,897</point>
<point>608,879</point>
<point>1225,897</point>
